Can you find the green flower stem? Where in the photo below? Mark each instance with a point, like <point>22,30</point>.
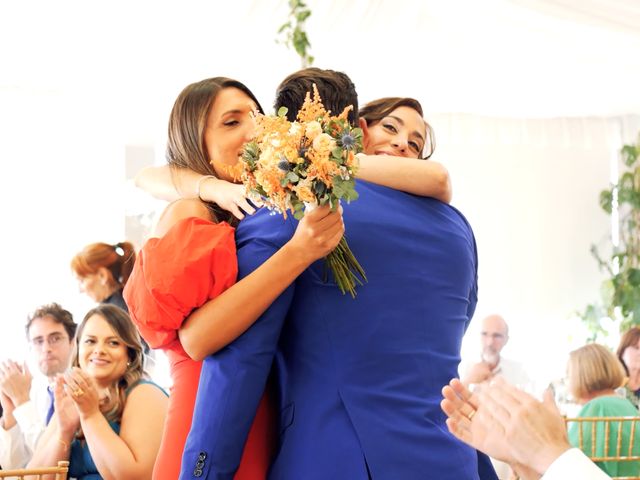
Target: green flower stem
<point>344,266</point>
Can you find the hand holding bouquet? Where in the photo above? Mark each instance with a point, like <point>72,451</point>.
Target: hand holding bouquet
<point>296,166</point>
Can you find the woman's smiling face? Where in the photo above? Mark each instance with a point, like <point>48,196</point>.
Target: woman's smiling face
<point>101,352</point>
<point>401,133</point>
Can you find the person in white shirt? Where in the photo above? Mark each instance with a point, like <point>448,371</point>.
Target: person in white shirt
<point>509,424</point>
<point>27,404</point>
<point>494,335</point>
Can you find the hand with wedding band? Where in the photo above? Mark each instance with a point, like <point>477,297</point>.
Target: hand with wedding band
<point>507,424</point>
<point>468,421</point>
<point>82,390</point>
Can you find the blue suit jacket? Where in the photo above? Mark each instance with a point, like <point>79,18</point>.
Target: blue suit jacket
<point>359,380</point>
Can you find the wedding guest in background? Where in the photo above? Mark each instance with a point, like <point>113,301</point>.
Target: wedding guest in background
<point>494,335</point>
<point>191,262</point>
<point>629,354</point>
<point>108,417</point>
<point>513,426</point>
<point>594,373</point>
<point>102,271</point>
<point>355,398</point>
<point>27,402</point>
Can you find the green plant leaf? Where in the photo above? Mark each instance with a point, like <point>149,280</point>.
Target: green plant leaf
<point>606,199</point>
<point>630,154</point>
<point>634,277</point>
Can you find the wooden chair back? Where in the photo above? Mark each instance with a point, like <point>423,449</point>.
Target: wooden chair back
<point>60,472</point>
<point>611,429</point>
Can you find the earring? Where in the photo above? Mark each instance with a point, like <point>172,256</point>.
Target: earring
<point>128,364</point>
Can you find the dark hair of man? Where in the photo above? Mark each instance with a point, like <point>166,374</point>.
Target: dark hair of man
<point>57,314</point>
<point>336,90</point>
<point>376,110</point>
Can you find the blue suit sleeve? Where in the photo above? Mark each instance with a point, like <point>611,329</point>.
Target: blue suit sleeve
<point>233,380</point>
<point>473,293</point>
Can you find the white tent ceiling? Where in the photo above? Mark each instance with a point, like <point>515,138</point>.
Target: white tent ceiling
<point>516,58</point>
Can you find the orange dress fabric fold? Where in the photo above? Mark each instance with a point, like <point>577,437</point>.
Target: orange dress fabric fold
<point>192,263</point>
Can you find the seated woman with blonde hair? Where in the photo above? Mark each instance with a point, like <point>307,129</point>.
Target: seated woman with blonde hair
<point>594,373</point>
<point>108,418</point>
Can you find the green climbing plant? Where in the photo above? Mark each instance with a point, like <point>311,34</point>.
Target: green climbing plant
<point>621,290</point>
<point>292,33</point>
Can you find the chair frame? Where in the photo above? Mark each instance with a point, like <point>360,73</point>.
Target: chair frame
<point>60,471</point>
<point>618,455</point>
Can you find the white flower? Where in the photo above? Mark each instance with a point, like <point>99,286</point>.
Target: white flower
<point>295,129</point>
<point>324,143</point>
<point>313,130</point>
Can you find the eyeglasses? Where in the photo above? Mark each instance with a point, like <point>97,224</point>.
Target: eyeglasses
<point>53,340</point>
<point>494,336</point>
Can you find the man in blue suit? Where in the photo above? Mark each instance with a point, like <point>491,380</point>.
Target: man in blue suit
<point>358,381</point>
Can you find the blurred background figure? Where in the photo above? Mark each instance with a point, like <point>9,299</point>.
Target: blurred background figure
<point>629,354</point>
<point>494,335</point>
<point>102,271</point>
<point>27,402</point>
<point>594,373</point>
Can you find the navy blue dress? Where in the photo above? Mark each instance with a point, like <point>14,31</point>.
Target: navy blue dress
<point>81,465</point>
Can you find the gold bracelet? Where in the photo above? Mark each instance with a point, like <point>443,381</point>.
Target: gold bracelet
<point>63,443</point>
<point>199,185</point>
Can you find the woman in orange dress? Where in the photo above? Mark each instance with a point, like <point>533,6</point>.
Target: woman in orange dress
<point>182,292</point>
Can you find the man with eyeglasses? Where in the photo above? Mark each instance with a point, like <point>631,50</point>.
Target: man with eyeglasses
<point>494,335</point>
<point>27,403</point>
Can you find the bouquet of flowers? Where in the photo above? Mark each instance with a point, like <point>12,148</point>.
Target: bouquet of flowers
<point>293,166</point>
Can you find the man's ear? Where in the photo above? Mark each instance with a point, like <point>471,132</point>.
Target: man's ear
<point>365,132</point>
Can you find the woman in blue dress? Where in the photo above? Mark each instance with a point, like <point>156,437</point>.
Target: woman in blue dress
<point>108,418</point>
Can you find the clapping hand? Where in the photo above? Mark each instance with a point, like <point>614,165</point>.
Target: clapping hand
<point>468,421</point>
<point>15,381</point>
<point>478,373</point>
<point>66,411</point>
<point>82,389</point>
<point>507,424</point>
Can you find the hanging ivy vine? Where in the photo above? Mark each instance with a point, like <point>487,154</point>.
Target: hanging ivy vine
<point>292,33</point>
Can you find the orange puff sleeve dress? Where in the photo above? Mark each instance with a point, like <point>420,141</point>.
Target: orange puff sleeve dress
<point>193,262</point>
